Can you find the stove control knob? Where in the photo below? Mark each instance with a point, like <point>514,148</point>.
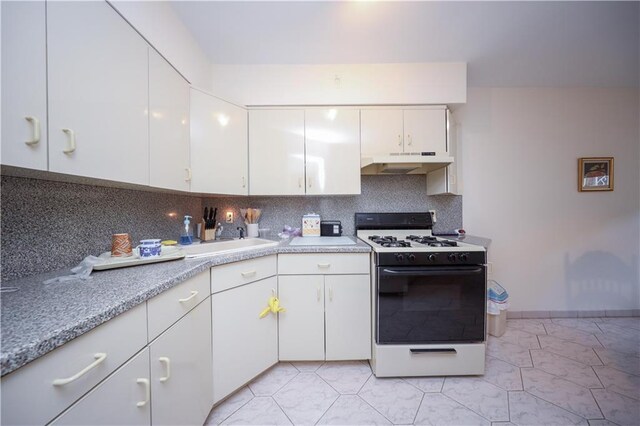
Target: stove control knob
<point>452,257</point>
<point>432,258</point>
<point>463,257</point>
<point>412,258</point>
<point>399,257</point>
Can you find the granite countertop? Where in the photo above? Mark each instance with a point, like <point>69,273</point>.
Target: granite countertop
<point>39,318</point>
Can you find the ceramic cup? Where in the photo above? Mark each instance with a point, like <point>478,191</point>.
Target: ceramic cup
<point>252,230</point>
<point>149,248</point>
<point>121,245</point>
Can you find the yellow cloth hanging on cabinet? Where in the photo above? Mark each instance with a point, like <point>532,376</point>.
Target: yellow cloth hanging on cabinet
<point>274,307</point>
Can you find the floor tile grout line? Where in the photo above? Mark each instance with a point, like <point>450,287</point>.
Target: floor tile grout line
<point>470,409</point>
<point>597,403</point>
<point>558,406</point>
<point>370,405</point>
<point>564,408</point>
<point>415,416</point>
<point>331,405</point>
<point>282,409</point>
<point>566,357</point>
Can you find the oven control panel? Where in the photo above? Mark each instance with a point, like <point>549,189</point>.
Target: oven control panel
<point>431,258</point>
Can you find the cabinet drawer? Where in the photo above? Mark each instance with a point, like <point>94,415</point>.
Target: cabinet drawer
<point>323,263</point>
<point>29,395</point>
<point>232,275</point>
<point>399,361</point>
<point>168,307</point>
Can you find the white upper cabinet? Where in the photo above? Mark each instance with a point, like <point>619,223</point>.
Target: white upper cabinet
<point>24,85</point>
<point>448,180</point>
<point>387,131</point>
<point>381,131</point>
<point>219,157</point>
<point>168,126</point>
<point>98,93</point>
<point>276,152</point>
<point>332,147</point>
<point>425,130</point>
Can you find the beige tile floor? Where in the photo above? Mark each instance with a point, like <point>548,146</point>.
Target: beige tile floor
<point>540,372</point>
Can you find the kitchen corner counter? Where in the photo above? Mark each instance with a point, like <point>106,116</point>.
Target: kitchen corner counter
<point>38,318</point>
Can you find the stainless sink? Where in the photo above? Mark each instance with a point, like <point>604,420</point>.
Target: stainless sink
<point>225,247</point>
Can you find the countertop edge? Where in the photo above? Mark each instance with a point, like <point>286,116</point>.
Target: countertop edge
<point>30,351</point>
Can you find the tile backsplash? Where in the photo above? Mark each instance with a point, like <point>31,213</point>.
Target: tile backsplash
<point>49,225</point>
<point>390,193</point>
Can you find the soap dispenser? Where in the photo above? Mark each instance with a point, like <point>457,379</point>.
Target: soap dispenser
<point>186,235</point>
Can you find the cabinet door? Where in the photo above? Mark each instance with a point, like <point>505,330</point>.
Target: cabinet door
<point>244,344</point>
<point>425,130</point>
<point>219,161</point>
<point>332,146</point>
<point>448,180</point>
<point>301,326</point>
<point>381,131</point>
<point>276,152</point>
<point>348,317</point>
<point>168,126</point>
<point>98,93</point>
<point>24,85</point>
<point>122,399</point>
<point>181,374</point>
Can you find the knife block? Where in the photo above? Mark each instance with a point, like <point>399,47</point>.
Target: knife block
<point>207,234</point>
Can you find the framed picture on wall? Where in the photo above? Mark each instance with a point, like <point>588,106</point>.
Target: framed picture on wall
<point>595,174</point>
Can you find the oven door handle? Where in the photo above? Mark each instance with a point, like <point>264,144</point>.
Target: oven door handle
<point>433,350</point>
<point>431,271</point>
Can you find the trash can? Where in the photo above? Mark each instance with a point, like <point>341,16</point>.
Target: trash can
<point>497,304</point>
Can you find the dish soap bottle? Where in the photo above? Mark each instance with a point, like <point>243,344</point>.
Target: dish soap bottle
<point>186,235</point>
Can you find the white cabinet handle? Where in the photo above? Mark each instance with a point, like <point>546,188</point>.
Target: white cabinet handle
<point>194,293</point>
<point>248,274</point>
<point>167,363</point>
<point>244,182</point>
<point>71,143</point>
<point>318,294</point>
<point>188,178</point>
<point>100,356</point>
<point>452,179</point>
<point>409,139</point>
<point>330,293</point>
<point>35,123</point>
<point>147,392</point>
<point>324,265</point>
<point>399,140</point>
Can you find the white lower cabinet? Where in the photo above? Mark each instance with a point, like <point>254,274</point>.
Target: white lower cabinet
<point>181,377</point>
<point>347,317</point>
<point>44,388</point>
<point>301,327</point>
<point>122,399</point>
<point>244,344</point>
<point>327,317</point>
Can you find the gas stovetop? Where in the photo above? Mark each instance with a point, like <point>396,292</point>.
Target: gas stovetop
<point>412,240</point>
<point>405,239</point>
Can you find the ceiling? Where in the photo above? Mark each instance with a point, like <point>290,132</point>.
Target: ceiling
<point>504,43</point>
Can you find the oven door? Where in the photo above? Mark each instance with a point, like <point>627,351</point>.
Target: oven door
<point>435,304</point>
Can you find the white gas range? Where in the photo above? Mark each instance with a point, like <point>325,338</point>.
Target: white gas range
<point>429,299</point>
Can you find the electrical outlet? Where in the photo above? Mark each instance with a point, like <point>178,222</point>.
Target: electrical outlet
<point>489,268</point>
<point>433,215</point>
<point>229,217</point>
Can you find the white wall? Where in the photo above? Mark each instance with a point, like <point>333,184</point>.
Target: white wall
<point>397,83</point>
<point>554,248</point>
<point>159,24</point>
